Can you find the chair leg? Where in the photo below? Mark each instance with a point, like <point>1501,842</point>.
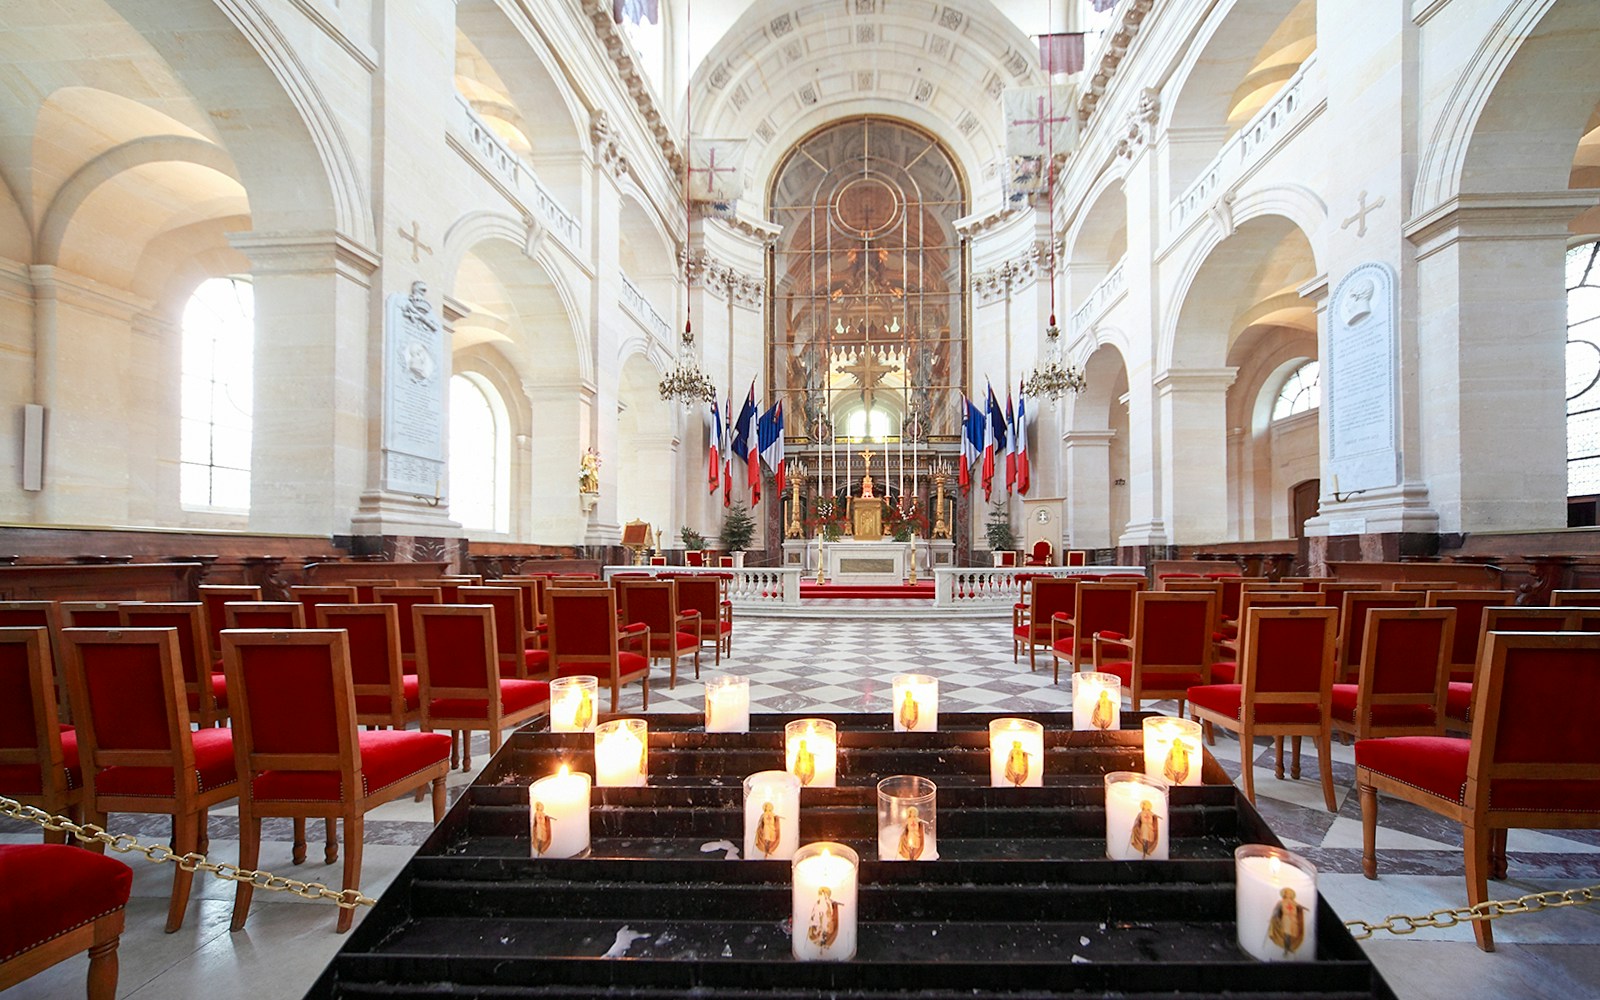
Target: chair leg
<point>103,963</point>
<point>330,853</point>
<point>1325,748</point>
<point>1497,854</point>
<point>1294,758</point>
<point>644,685</point>
<point>298,854</point>
<point>203,842</point>
<point>1033,656</point>
<point>697,663</point>
<point>1247,760</point>
<point>249,857</point>
<point>1369,830</point>
<point>439,800</point>
<point>186,834</point>
<point>672,662</point>
<point>353,832</point>
<point>1478,844</point>
<point>1277,767</point>
<point>455,748</point>
<point>466,750</point>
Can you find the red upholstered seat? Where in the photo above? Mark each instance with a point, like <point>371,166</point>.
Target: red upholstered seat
<point>213,769</point>
<point>1225,699</point>
<point>584,639</point>
<point>537,661</point>
<point>1097,607</point>
<point>459,658</point>
<point>219,694</point>
<point>685,640</point>
<point>47,890</point>
<point>387,756</point>
<point>1400,673</point>
<point>1225,671</point>
<point>654,603</point>
<point>1438,765</point>
<point>375,704</point>
<point>25,779</point>
<point>1344,710</point>
<point>514,697</point>
<point>1458,702</point>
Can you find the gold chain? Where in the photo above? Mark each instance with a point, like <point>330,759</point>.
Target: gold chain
<point>1489,909</point>
<point>123,843</point>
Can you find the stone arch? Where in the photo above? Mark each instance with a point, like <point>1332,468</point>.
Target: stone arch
<point>1265,458</point>
<point>489,367</point>
<point>1095,451</point>
<point>647,437</point>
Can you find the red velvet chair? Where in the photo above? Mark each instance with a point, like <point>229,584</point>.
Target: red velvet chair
<point>448,587</point>
<point>703,594</point>
<point>1532,761</point>
<point>658,560</point>
<point>214,597</point>
<point>1042,554</point>
<point>725,562</point>
<point>1353,608</point>
<point>311,598</point>
<point>135,745</point>
<point>264,614</point>
<point>458,665</point>
<point>404,600</point>
<point>1400,677</point>
<point>92,614</point>
<point>1097,607</point>
<point>202,675</point>
<point>1285,679</point>
<point>1575,598</point>
<point>1470,606</point>
<point>1077,557</point>
<point>38,755</point>
<point>56,901</point>
<point>385,694</point>
<point>521,658</point>
<point>1226,668</point>
<point>1032,619</point>
<point>1168,650</point>
<point>1458,696</point>
<point>654,604</point>
<point>45,615</point>
<point>1005,558</point>
<point>301,755</point>
<point>366,589</point>
<point>584,639</point>
<point>694,557</point>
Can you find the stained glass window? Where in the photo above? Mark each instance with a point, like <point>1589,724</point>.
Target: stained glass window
<point>1301,391</point>
<point>1583,371</point>
<point>479,456</point>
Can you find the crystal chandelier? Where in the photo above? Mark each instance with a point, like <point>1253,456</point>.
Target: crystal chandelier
<point>686,383</point>
<point>1054,377</point>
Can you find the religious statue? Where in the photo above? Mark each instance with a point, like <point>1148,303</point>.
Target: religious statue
<point>589,471</point>
<point>1287,928</point>
<point>1146,830</point>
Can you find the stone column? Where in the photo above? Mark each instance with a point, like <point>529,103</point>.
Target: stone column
<point>562,410</point>
<point>1087,458</point>
<point>1193,417</point>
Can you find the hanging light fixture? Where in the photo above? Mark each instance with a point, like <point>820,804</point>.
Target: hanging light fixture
<point>1055,376</point>
<point>686,383</point>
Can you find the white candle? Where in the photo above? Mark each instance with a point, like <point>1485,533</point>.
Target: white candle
<point>1276,901</point>
<point>916,703</point>
<point>1136,817</point>
<point>558,814</point>
<point>728,705</point>
<point>811,752</point>
<point>771,816</point>
<point>620,749</point>
<point>1096,701</point>
<point>1172,750</point>
<point>572,704</point>
<point>907,819</point>
<point>1016,753</point>
<point>823,907</point>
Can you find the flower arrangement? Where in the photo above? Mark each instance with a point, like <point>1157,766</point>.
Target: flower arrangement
<point>904,524</point>
<point>828,520</point>
<point>589,471</point>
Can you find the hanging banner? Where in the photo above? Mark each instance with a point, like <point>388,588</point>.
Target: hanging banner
<point>715,170</point>
<point>1040,121</point>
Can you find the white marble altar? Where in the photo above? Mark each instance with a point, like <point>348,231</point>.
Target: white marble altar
<point>867,564</point>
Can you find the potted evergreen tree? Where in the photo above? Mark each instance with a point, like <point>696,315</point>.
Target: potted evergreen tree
<point>738,527</point>
<point>693,541</point>
<point>1001,537</point>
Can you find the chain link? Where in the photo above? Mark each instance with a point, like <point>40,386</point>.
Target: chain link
<point>123,843</point>
<point>1489,909</point>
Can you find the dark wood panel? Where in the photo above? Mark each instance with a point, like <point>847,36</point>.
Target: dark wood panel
<point>124,582</point>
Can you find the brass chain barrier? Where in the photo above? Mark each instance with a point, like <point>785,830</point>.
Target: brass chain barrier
<point>122,843</point>
<point>1489,909</point>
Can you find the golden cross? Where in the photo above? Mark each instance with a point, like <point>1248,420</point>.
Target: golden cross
<point>867,372</point>
<point>415,238</point>
<point>866,457</point>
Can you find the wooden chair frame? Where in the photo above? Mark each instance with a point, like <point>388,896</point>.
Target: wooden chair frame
<point>311,597</point>
<point>46,753</point>
<point>398,715</point>
<point>721,611</point>
<point>365,588</point>
<point>495,718</point>
<point>1367,696</point>
<point>1057,624</point>
<point>1575,598</point>
<point>352,808</point>
<point>100,938</point>
<point>250,614</point>
<point>608,667</point>
<point>202,665</point>
<point>1140,667</point>
<point>681,622</point>
<point>214,597</point>
<point>107,614</point>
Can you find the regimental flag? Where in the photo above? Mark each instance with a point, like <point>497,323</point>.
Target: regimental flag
<point>1040,121</point>
<point>994,442</point>
<point>1011,445</point>
<point>727,454</point>
<point>716,171</point>
<point>1061,53</point>
<point>971,442</point>
<point>1019,433</point>
<point>769,440</point>
<point>1024,177</point>
<point>714,446</point>
<point>1101,6</point>
<point>637,11</point>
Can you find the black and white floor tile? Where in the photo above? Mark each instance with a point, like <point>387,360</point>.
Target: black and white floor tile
<point>845,664</point>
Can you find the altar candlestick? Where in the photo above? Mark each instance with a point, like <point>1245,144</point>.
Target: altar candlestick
<point>1275,901</point>
<point>558,814</point>
<point>1016,753</point>
<point>771,816</point>
<point>620,753</point>
<point>823,903</point>
<point>811,752</point>
<point>1136,817</point>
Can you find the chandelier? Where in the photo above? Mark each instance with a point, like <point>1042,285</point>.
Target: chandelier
<point>686,383</point>
<point>1054,377</point>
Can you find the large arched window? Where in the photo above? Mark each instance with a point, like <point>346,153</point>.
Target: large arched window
<point>479,456</point>
<point>1301,391</point>
<point>1583,371</point>
<point>215,409</point>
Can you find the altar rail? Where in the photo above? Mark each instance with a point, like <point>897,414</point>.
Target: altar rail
<point>765,587</point>
<point>1000,586</point>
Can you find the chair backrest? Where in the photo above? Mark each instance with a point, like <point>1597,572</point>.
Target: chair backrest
<point>702,594</point>
<point>658,560</point>
<point>510,630</point>
<point>1423,586</point>
<point>531,592</point>
<point>725,561</point>
<point>1052,594</point>
<point>31,757</point>
<point>1353,618</point>
<point>1007,557</point>
<point>264,614</point>
<point>1469,605</point>
<point>1193,585</point>
<point>1172,633</point>
<point>311,597</point>
<point>1405,656</point>
<point>373,644</point>
<point>128,702</point>
<point>1575,598</point>
<point>29,614</point>
<point>1077,557</point>
<point>194,652</point>
<point>1583,619</point>
<point>1103,607</point>
<point>653,602</point>
<point>1311,583</point>
<point>1232,587</point>
<point>405,599</point>
<point>364,588</point>
<point>694,557</point>
<point>92,614</point>
<point>1333,593</point>
<point>448,588</point>
<point>456,653</point>
<point>1277,599</point>
<point>1286,655</point>
<point>1519,619</point>
<point>1043,552</point>
<point>214,596</point>
<point>294,704</point>
<point>582,624</point>
<point>1531,757</point>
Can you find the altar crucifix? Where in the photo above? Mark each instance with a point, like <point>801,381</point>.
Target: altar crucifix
<point>866,510</point>
<point>867,372</point>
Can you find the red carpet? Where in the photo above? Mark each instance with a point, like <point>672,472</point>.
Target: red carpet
<point>922,591</point>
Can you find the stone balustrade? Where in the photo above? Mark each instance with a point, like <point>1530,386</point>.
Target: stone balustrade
<point>1001,586</point>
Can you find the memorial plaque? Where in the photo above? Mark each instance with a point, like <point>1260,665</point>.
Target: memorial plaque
<point>1360,380</point>
<point>416,373</point>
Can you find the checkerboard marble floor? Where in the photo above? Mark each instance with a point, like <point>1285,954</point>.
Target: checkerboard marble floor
<point>845,665</point>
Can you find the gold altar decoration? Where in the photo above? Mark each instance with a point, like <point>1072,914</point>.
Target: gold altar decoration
<point>941,479</point>
<point>636,537</point>
<point>797,476</point>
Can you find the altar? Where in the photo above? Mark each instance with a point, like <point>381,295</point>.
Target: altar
<point>867,563</point>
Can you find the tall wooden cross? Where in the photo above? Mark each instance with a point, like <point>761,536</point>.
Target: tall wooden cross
<point>1046,119</point>
<point>868,373</point>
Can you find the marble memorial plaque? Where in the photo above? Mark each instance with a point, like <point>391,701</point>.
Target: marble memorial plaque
<point>1360,380</point>
<point>416,374</point>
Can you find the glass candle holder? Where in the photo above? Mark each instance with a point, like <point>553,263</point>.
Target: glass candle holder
<point>728,705</point>
<point>1016,753</point>
<point>1136,817</point>
<point>1275,899</point>
<point>916,703</point>
<point>558,814</point>
<point>1096,701</point>
<point>811,752</point>
<point>907,815</point>
<point>1172,750</point>
<point>572,704</point>
<point>771,816</point>
<point>823,906</point>
<point>621,753</point>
